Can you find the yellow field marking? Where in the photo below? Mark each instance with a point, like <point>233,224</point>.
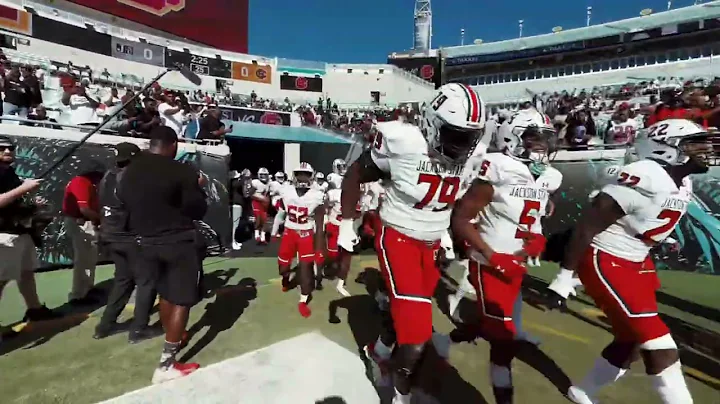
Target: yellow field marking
<point>592,312</point>
<point>550,330</point>
<point>700,375</point>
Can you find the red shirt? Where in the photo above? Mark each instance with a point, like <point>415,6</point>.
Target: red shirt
<point>679,113</point>
<point>79,192</point>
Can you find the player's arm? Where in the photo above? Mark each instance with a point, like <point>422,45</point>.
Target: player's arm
<point>364,169</point>
<point>467,208</point>
<point>320,228</point>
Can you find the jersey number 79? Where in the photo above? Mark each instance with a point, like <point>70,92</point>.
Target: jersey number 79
<point>448,187</point>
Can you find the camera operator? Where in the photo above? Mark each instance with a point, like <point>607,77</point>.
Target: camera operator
<point>18,257</point>
<point>172,112</point>
<point>122,246</point>
<point>162,198</point>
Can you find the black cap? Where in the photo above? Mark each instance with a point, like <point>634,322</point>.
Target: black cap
<point>163,134</point>
<point>125,151</point>
<point>6,141</point>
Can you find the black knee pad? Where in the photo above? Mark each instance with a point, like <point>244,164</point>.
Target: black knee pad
<point>408,357</point>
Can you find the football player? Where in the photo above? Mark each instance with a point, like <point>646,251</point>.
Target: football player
<point>608,249</point>
<point>335,178</point>
<point>510,194</point>
<point>320,182</point>
<point>332,229</point>
<point>304,209</point>
<point>260,203</point>
<point>422,172</point>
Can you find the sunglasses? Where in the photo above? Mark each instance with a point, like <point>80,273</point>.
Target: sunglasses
<point>8,148</point>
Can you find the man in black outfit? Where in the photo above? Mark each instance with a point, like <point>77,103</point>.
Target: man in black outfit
<point>162,198</point>
<point>122,246</point>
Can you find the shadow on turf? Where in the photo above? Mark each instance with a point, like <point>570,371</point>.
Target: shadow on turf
<point>38,333</point>
<point>230,303</point>
<point>365,324</point>
<point>699,347</point>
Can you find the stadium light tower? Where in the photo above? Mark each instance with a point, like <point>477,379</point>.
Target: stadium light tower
<point>589,16</point>
<point>422,40</point>
<point>520,26</point>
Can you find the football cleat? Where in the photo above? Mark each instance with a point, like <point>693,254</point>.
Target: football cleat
<point>175,371</point>
<point>304,309</point>
<point>554,301</point>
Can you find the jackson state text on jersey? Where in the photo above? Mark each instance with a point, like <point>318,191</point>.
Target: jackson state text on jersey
<point>653,205</point>
<point>300,210</point>
<point>519,201</point>
<point>419,197</point>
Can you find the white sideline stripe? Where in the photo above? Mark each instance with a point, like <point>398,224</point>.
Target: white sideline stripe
<point>300,370</point>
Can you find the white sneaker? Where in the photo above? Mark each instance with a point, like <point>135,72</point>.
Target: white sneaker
<point>342,290</point>
<point>578,396</point>
<point>236,245</point>
<point>176,371</point>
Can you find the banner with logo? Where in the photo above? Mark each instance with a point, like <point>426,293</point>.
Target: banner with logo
<point>427,68</point>
<point>15,20</point>
<point>241,114</point>
<point>297,83</point>
<point>138,52</point>
<point>251,72</point>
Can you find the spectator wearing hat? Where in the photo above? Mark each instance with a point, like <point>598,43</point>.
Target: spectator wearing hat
<point>18,257</point>
<point>82,218</point>
<point>121,243</point>
<point>83,106</point>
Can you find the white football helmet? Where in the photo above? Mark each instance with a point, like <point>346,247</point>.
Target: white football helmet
<point>320,177</point>
<point>453,122</point>
<point>669,140</point>
<point>303,175</point>
<point>528,136</point>
<point>280,177</point>
<point>339,166</point>
<point>263,174</point>
<point>246,173</point>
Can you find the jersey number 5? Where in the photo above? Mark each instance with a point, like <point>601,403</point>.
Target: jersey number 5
<point>527,218</point>
<point>298,214</point>
<point>448,190</point>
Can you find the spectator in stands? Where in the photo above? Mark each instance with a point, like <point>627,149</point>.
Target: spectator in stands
<point>83,106</point>
<point>172,113</point>
<point>82,217</point>
<point>253,97</point>
<point>580,129</point>
<point>211,127</point>
<point>113,98</point>
<point>148,119</point>
<point>29,78</point>
<point>621,128</point>
<point>41,115</point>
<point>17,94</point>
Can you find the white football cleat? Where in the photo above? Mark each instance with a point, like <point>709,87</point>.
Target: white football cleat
<point>341,289</point>
<point>236,246</point>
<point>174,371</point>
<point>578,396</point>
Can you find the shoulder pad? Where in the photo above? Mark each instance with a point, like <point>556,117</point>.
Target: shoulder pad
<point>554,178</point>
<point>645,176</point>
<point>491,168</point>
<point>395,138</point>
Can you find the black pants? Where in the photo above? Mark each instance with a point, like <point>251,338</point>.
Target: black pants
<point>129,274</point>
<point>178,266</point>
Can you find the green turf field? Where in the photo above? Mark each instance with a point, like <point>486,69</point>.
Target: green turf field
<point>59,362</point>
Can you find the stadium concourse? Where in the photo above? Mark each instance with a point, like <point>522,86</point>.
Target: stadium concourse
<point>246,332</point>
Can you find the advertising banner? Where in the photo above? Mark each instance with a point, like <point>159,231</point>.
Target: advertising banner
<point>138,52</point>
<point>297,83</point>
<point>252,72</point>
<point>241,114</point>
<point>427,68</point>
<point>15,20</point>
<point>222,24</point>
<point>35,154</point>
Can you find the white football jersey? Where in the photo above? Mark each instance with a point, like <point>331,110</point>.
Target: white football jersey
<point>519,201</point>
<point>333,199</point>
<point>653,205</point>
<point>335,180</point>
<point>274,191</point>
<point>420,193</point>
<point>321,187</point>
<point>621,132</point>
<point>300,210</point>
<point>261,188</point>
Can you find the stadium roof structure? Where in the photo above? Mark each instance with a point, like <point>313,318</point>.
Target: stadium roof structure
<point>699,12</point>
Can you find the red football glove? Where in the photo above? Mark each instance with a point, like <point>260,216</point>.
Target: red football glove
<point>507,265</point>
<point>534,244</point>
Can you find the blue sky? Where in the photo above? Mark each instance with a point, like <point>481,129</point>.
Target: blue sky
<point>366,31</point>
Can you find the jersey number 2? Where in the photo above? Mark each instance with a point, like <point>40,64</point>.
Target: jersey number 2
<point>527,219</point>
<point>448,190</point>
<point>298,214</point>
<point>672,217</point>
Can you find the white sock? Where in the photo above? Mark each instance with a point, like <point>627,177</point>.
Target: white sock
<point>304,298</point>
<point>670,385</point>
<point>340,283</point>
<point>382,350</point>
<point>262,236</point>
<point>500,376</point>
<point>602,374</point>
<point>402,398</point>
<point>257,234</point>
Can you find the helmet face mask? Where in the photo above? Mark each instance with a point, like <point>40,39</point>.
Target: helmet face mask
<point>678,142</point>
<point>339,166</point>
<point>263,174</point>
<point>303,179</point>
<point>701,151</point>
<point>280,177</point>
<point>528,137</point>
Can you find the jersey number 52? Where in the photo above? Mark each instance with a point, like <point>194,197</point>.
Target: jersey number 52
<point>298,214</point>
<point>448,186</point>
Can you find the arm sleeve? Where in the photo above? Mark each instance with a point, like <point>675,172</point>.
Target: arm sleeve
<point>193,202</point>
